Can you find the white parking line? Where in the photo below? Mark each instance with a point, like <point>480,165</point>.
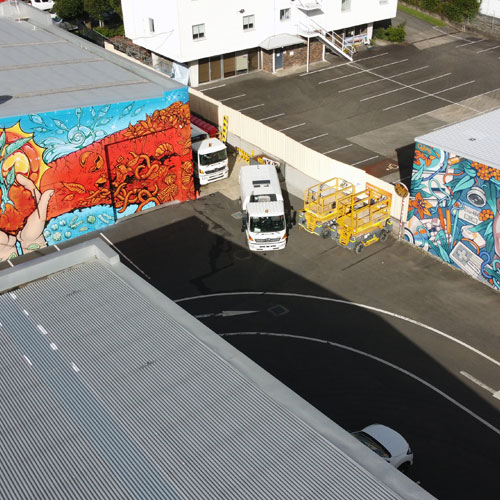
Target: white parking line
<point>343,64</point>
<point>362,71</point>
<point>403,88</point>
<point>486,50</point>
<point>233,97</point>
<point>337,149</point>
<point>363,161</point>
<point>429,95</point>
<point>292,126</point>
<point>251,107</point>
<point>269,117</point>
<point>315,137</point>
<point>382,79</point>
<point>211,88</point>
<point>448,34</point>
<point>496,394</point>
<point>470,43</point>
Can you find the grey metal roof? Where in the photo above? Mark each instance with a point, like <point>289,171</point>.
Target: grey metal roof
<point>477,139</point>
<point>45,68</point>
<point>110,390</point>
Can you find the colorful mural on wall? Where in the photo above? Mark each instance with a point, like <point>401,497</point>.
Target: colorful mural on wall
<point>454,212</point>
<point>66,173</point>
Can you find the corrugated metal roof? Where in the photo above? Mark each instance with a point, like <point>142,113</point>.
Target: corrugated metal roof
<point>47,69</point>
<point>476,139</point>
<point>109,390</point>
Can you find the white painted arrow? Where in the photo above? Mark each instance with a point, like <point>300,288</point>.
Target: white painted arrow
<point>225,313</point>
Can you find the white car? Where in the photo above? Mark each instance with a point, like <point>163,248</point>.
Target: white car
<point>387,443</point>
<point>42,4</point>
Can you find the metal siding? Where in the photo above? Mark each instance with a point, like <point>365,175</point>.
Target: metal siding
<point>161,394</point>
<point>456,139</point>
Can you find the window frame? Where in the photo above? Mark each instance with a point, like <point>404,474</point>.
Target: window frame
<point>249,22</point>
<point>345,6</point>
<point>285,14</point>
<point>197,34</point>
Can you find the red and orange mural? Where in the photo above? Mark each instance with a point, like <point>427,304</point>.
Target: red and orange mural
<point>80,175</point>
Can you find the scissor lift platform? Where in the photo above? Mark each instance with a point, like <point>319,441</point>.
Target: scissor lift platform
<point>353,220</point>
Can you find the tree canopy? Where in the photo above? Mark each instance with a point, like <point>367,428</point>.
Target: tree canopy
<point>69,9</point>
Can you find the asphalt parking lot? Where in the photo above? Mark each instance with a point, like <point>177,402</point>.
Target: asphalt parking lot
<point>367,113</point>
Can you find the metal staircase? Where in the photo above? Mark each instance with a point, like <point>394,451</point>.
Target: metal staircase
<point>329,38</point>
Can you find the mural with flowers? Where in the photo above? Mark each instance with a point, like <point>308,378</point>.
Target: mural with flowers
<point>66,173</point>
<point>454,212</point>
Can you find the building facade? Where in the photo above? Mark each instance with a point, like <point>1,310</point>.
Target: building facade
<point>205,40</point>
<point>454,208</point>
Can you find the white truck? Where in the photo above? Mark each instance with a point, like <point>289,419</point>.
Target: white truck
<point>209,156</point>
<point>263,210</point>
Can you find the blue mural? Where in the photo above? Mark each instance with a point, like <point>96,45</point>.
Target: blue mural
<point>454,212</point>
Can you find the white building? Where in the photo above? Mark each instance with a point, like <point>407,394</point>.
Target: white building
<point>490,8</point>
<point>213,39</point>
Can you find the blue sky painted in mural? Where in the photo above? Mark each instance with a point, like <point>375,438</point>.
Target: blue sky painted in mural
<point>66,131</point>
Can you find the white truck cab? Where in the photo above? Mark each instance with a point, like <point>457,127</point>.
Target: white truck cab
<point>209,156</point>
<point>264,221</point>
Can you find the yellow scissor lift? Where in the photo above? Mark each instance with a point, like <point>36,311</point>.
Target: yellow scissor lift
<point>354,220</point>
<point>321,203</point>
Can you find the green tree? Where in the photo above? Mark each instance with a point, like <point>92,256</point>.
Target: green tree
<point>96,9</point>
<point>69,9</point>
<point>116,5</point>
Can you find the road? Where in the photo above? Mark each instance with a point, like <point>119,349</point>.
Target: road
<point>385,336</point>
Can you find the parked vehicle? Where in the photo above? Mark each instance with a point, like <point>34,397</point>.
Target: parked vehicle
<point>209,153</point>
<point>42,4</point>
<point>388,444</point>
<point>264,221</point>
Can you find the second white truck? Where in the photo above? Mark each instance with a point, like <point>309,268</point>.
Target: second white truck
<point>264,221</point>
<point>209,156</point>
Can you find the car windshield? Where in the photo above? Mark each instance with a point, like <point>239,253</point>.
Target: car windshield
<point>372,444</point>
<point>267,224</point>
<point>215,157</point>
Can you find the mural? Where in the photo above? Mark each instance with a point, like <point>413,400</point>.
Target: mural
<point>454,212</point>
<point>66,173</point>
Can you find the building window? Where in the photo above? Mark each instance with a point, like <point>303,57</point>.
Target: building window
<point>383,2</point>
<point>284,14</point>
<point>151,23</point>
<point>248,22</point>
<point>198,31</point>
<point>346,5</point>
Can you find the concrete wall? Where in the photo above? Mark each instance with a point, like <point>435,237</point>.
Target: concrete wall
<point>454,212</point>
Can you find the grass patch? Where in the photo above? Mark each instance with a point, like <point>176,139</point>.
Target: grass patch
<point>421,15</point>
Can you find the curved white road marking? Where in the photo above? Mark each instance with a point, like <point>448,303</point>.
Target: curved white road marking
<point>375,358</point>
<point>363,306</point>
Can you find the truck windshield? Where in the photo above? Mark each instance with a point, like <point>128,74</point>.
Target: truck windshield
<point>215,157</point>
<point>267,224</point>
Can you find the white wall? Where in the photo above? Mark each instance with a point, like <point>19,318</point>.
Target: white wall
<point>490,8</point>
<point>223,22</point>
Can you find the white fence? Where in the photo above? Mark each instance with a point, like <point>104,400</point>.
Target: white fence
<point>312,164</point>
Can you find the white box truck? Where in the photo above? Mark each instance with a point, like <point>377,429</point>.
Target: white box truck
<point>209,156</point>
<point>263,210</point>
